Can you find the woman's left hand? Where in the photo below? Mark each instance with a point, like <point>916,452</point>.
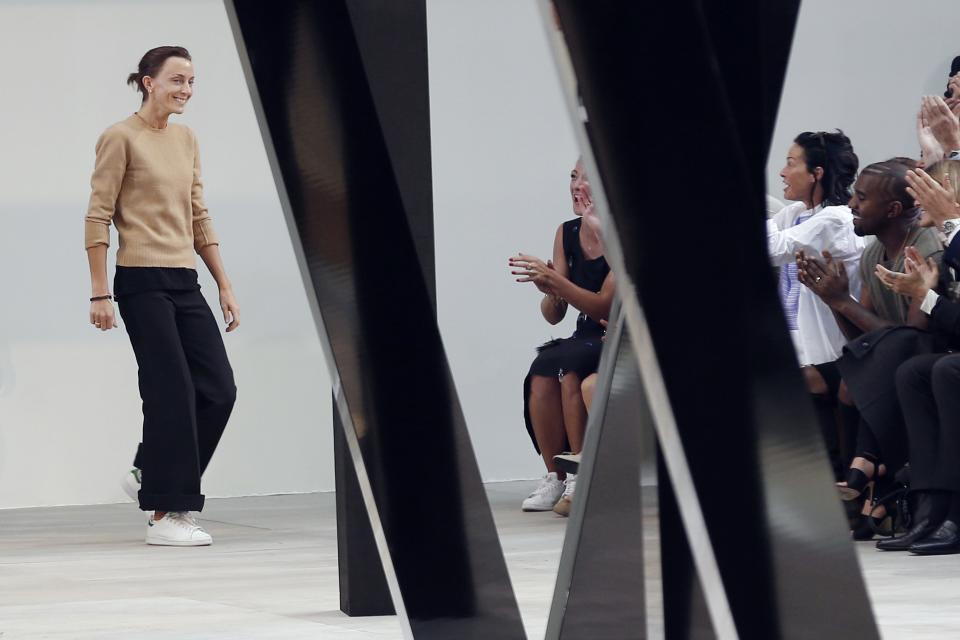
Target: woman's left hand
<point>230,308</point>
<point>540,273</point>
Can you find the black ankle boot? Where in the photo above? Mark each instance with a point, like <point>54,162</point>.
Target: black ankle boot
<point>931,509</point>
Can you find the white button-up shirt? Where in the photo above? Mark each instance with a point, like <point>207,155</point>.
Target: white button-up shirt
<point>817,338</point>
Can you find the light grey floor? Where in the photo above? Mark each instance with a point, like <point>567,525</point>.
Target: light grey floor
<point>83,573</point>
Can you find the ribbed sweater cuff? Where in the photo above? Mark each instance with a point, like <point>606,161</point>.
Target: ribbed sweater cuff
<point>203,234</point>
<point>95,233</point>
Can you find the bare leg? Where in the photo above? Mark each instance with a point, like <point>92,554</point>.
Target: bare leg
<point>586,389</point>
<point>546,415</point>
<point>815,382</point>
<point>574,413</point>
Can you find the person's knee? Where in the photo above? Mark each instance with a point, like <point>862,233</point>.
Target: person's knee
<point>586,388</point>
<point>946,374</point>
<point>570,384</point>
<point>228,395</point>
<point>814,381</point>
<point>222,393</point>
<point>909,374</point>
<point>844,395</point>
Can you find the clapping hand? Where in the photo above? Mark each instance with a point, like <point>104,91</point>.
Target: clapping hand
<point>919,277</point>
<point>590,211</point>
<point>930,149</point>
<point>943,122</point>
<point>937,200</point>
<point>540,273</point>
<point>827,279</point>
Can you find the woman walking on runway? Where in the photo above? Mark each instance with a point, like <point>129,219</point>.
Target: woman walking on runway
<point>146,182</point>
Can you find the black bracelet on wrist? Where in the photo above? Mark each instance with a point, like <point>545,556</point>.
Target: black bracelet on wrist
<point>106,297</point>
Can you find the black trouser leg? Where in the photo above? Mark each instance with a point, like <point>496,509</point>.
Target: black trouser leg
<point>929,390</point>
<point>187,390</point>
<point>829,428</point>
<point>867,445</point>
<point>850,432</point>
<point>210,370</point>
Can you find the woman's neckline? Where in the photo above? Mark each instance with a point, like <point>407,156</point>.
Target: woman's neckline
<point>147,125</point>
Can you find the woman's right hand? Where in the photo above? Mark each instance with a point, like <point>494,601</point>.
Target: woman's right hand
<point>102,315</point>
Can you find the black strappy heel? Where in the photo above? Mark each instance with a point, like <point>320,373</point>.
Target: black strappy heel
<point>858,481</point>
<point>889,496</point>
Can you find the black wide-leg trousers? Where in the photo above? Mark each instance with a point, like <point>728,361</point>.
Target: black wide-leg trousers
<point>929,391</point>
<point>187,389</point>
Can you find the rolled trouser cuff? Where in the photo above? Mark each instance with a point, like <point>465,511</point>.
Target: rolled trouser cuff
<point>170,502</point>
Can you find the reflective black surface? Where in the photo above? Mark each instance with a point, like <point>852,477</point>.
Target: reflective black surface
<point>363,586</point>
<point>347,215</point>
<point>682,98</point>
<point>600,581</point>
<point>391,37</point>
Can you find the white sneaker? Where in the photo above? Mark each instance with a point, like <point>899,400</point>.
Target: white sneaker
<point>569,485</point>
<point>545,495</point>
<point>130,483</point>
<point>562,508</point>
<point>177,529</point>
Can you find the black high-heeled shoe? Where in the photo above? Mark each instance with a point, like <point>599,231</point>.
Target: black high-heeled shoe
<point>858,481</point>
<point>869,525</point>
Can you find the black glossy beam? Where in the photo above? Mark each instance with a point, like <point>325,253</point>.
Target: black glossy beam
<point>682,179</point>
<point>599,593</point>
<point>391,37</point>
<point>402,418</point>
<point>363,585</point>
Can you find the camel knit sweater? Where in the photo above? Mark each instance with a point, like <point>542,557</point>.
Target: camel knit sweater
<point>146,181</point>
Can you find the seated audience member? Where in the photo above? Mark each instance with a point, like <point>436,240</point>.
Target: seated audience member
<point>570,462</point>
<point>928,384</point>
<point>881,207</point>
<point>818,173</point>
<point>578,276</point>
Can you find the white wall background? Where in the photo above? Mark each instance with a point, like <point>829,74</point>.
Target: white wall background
<point>69,406</point>
<point>861,66</point>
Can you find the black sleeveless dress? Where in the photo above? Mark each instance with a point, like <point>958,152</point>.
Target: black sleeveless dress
<point>580,353</point>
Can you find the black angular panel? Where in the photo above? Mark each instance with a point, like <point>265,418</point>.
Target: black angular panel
<point>681,103</point>
<point>391,37</point>
<point>600,581</point>
<point>406,430</point>
<point>363,586</point>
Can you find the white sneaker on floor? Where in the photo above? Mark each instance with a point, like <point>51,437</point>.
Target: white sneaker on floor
<point>545,495</point>
<point>562,508</point>
<point>130,483</point>
<point>177,529</point>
